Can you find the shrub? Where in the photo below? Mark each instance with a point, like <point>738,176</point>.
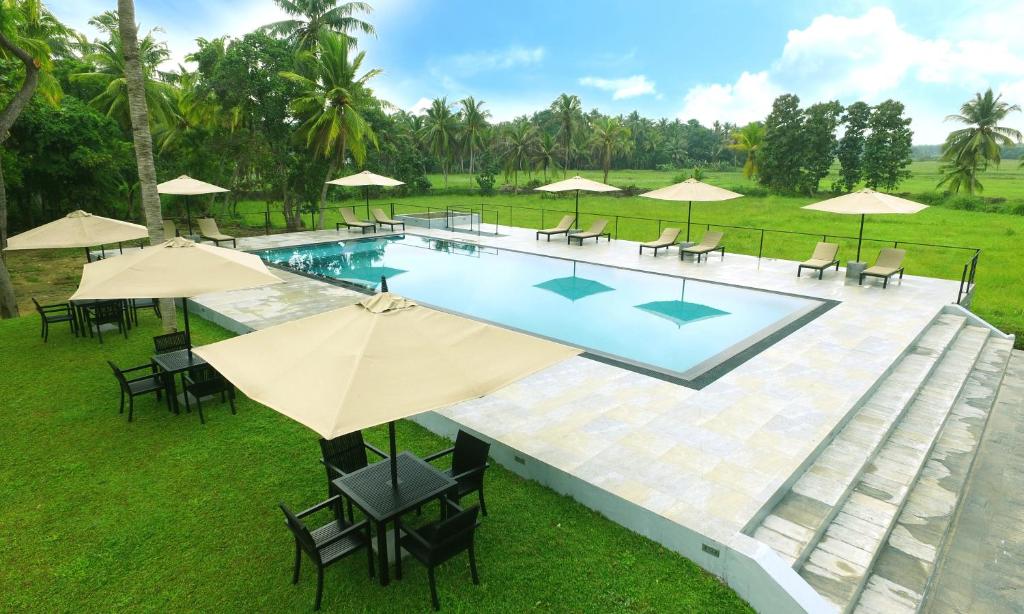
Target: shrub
<point>1019,209</point>
<point>532,185</point>
<point>421,184</point>
<point>486,182</point>
<point>631,190</point>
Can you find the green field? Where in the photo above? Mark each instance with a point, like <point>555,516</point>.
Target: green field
<point>1000,278</point>
<point>166,515</point>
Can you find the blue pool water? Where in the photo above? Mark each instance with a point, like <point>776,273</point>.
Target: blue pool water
<point>675,326</point>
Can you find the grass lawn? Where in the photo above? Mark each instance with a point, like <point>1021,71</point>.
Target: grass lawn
<point>165,514</point>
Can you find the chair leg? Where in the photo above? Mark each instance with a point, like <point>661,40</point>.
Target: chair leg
<point>199,407</point>
<point>319,586</point>
<point>433,588</point>
<point>298,562</point>
<point>398,552</point>
<point>472,565</point>
<point>231,400</point>
<point>483,506</point>
<point>820,273</point>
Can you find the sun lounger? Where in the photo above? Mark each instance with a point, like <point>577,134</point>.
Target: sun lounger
<point>596,231</point>
<point>349,220</point>
<point>889,263</point>
<point>383,220</point>
<point>563,227</point>
<point>170,230</point>
<point>711,242</point>
<point>666,240</point>
<point>209,231</point>
<point>824,256</point>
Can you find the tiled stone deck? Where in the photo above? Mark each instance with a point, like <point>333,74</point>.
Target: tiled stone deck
<point>708,460</point>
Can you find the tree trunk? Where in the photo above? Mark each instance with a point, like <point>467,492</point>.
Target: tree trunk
<point>471,158</point>
<point>331,169</point>
<point>8,304</point>
<point>143,140</point>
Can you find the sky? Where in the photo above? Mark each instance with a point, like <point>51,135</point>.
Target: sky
<point>724,60</point>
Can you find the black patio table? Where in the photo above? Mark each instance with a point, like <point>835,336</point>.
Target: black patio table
<point>81,306</point>
<point>172,363</point>
<point>371,491</point>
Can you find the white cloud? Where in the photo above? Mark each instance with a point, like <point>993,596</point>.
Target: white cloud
<point>468,64</point>
<point>748,99</point>
<point>629,87</point>
<point>420,107</point>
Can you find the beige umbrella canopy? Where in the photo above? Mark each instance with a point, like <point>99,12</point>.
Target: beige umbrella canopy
<point>366,179</point>
<point>77,229</point>
<point>377,361</point>
<point>187,186</point>
<point>865,202</point>
<point>691,190</point>
<point>579,184</point>
<point>178,268</point>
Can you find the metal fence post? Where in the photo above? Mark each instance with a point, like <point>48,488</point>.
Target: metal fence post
<point>760,248</point>
<point>266,221</point>
<point>616,227</point>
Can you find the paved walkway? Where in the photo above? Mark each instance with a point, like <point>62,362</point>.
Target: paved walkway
<point>983,567</point>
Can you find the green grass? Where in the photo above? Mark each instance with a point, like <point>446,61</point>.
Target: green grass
<point>164,514</point>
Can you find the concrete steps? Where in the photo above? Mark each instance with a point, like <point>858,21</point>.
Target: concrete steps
<point>842,560</point>
<point>797,522</point>
<point>902,573</point>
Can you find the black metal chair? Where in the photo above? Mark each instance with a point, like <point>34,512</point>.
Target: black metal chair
<point>469,462</point>
<point>171,342</point>
<point>55,314</point>
<point>438,542</point>
<point>345,454</point>
<point>137,386</point>
<point>205,381</point>
<point>106,312</point>
<point>327,544</point>
<point>143,303</point>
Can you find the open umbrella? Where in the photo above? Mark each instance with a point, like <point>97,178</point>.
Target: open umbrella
<point>579,184</point>
<point>380,360</point>
<point>187,186</point>
<point>864,202</point>
<point>77,229</point>
<point>366,179</point>
<point>573,287</point>
<point>691,190</point>
<point>178,268</point>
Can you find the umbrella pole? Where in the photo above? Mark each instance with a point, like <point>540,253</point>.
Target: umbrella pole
<point>860,237</point>
<point>576,222</point>
<point>188,214</point>
<point>394,453</point>
<point>366,192</point>
<point>689,210</point>
<point>188,333</point>
<point>88,257</point>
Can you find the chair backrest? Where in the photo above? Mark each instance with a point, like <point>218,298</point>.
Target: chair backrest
<point>108,312</point>
<point>208,226</point>
<point>119,375</point>
<point>597,227</point>
<point>470,453</point>
<point>825,251</point>
<point>350,216</point>
<point>669,235</point>
<point>171,342</point>
<point>379,215</point>
<point>711,238</point>
<point>453,535</point>
<point>301,533</point>
<point>891,257</point>
<point>170,230</point>
<point>566,222</point>
<point>39,307</point>
<point>346,452</point>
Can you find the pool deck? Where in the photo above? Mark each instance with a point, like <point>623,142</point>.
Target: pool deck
<point>708,460</point>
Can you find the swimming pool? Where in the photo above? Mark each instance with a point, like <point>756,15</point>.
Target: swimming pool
<point>682,329</point>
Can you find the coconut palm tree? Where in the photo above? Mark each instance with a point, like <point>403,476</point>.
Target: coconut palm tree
<point>545,154</point>
<point>333,96</point>
<point>608,137</point>
<point>567,109</point>
<point>518,147</point>
<point>474,123</point>
<point>439,132</point>
<point>983,139</point>
<point>747,140</point>
<point>962,173</point>
<point>134,76</point>
<point>315,17</point>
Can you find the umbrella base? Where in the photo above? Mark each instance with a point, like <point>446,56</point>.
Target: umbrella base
<point>390,536</point>
<point>854,269</point>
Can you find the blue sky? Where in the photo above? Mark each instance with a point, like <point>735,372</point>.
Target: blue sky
<point>723,60</point>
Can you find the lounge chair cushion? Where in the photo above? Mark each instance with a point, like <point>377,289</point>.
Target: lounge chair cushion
<point>596,229</point>
<point>824,256</point>
<point>351,219</point>
<point>208,229</point>
<point>709,242</point>
<point>668,237</point>
<point>563,225</point>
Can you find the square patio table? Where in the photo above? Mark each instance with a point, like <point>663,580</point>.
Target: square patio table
<point>370,490</point>
<point>172,363</point>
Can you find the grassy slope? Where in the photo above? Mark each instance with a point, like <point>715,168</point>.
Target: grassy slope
<point>164,514</point>
<point>1000,290</point>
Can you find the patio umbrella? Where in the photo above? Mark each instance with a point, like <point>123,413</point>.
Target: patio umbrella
<point>573,287</point>
<point>366,179</point>
<point>864,202</point>
<point>187,186</point>
<point>380,360</point>
<point>77,229</point>
<point>178,268</point>
<point>579,184</point>
<point>691,190</point>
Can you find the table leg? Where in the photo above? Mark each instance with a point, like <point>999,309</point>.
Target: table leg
<point>382,552</point>
<point>172,392</point>
<point>398,553</point>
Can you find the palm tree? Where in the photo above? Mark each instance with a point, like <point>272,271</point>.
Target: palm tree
<point>332,97</point>
<point>519,142</point>
<point>545,154</point>
<point>747,140</point>
<point>135,86</point>
<point>315,17</point>
<point>609,137</point>
<point>567,109</point>
<point>962,173</point>
<point>983,140</point>
<point>107,60</point>
<point>474,123</point>
<point>438,133</point>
